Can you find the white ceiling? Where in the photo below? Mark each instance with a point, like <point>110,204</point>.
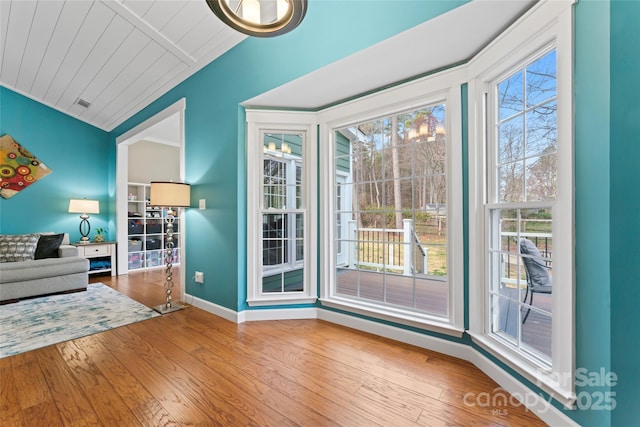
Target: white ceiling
<point>118,55</point>
<point>121,55</point>
<point>451,38</point>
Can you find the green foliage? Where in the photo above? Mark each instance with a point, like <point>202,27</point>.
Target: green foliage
<point>375,217</point>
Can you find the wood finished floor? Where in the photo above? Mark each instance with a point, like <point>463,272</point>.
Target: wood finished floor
<point>193,368</point>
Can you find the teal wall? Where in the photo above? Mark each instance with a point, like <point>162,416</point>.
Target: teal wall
<point>75,153</point>
<point>591,80</point>
<point>215,142</point>
<point>607,154</point>
<point>624,213</point>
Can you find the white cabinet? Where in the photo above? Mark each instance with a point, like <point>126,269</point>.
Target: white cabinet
<point>146,229</point>
<point>101,256</point>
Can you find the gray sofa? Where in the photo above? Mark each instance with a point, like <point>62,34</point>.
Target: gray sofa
<point>22,276</point>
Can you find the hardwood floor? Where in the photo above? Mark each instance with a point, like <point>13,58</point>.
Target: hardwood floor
<point>193,368</point>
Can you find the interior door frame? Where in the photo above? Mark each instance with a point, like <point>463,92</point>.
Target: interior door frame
<point>122,171</point>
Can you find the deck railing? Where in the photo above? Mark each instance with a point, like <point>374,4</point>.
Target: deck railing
<point>387,249</point>
<point>543,241</point>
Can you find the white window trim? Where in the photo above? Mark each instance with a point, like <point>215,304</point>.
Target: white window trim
<point>547,23</point>
<point>441,87</point>
<point>280,121</point>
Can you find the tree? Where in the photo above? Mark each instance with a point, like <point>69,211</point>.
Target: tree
<point>397,196</point>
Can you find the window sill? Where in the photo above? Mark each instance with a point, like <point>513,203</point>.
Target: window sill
<point>279,299</point>
<point>398,316</point>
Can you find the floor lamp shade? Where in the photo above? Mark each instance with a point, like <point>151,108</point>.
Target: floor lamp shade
<point>170,194</point>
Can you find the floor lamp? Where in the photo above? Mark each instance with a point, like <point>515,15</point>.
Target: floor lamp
<point>169,195</point>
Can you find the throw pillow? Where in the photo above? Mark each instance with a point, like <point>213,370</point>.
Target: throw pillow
<point>48,245</point>
<point>18,247</point>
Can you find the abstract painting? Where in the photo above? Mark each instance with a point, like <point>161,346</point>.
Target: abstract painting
<point>18,167</point>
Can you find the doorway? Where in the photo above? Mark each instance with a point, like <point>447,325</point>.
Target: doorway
<point>151,151</point>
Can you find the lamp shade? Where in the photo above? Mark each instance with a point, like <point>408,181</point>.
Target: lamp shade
<point>170,194</point>
<point>84,206</point>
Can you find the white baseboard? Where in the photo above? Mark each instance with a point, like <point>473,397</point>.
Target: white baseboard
<point>252,315</point>
<point>212,308</point>
<point>403,335</point>
<point>517,390</point>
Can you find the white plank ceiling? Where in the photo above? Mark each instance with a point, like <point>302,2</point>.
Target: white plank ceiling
<point>116,55</point>
<point>121,55</point>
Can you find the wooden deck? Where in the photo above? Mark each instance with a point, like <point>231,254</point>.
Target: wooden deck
<point>413,292</point>
<point>431,296</point>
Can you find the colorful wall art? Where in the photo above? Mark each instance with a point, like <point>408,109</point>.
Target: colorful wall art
<point>18,167</point>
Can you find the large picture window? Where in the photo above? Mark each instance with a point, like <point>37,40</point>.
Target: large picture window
<point>392,226</point>
<point>391,240</point>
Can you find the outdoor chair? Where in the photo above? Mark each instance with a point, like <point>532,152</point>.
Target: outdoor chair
<point>538,279</point>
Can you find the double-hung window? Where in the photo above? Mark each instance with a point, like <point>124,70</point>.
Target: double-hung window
<point>281,208</point>
<point>521,200</point>
<point>283,214</point>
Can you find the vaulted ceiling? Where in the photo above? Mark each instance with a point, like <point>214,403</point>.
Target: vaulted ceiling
<point>102,61</point>
<point>116,55</point>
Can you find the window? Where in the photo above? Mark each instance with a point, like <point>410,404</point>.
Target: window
<point>280,208</point>
<point>282,213</point>
<point>521,200</point>
<point>391,234</point>
<point>523,193</point>
<point>391,241</point>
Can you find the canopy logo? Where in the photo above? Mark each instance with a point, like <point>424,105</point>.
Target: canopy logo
<point>588,399</point>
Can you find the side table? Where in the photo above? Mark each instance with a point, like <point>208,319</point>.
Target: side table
<point>101,256</point>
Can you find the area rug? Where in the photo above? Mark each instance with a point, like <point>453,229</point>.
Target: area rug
<point>39,322</point>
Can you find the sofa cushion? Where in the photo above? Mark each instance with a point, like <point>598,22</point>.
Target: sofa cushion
<point>18,247</point>
<point>42,268</point>
<point>48,245</point>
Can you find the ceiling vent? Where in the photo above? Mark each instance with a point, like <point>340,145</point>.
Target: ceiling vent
<point>81,102</point>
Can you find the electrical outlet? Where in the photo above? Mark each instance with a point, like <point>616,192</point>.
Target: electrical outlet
<point>199,277</point>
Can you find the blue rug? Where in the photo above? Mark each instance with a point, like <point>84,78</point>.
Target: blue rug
<point>39,322</point>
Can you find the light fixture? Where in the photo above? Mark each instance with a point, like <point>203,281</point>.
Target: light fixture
<point>271,147</point>
<point>84,207</point>
<point>169,195</point>
<point>260,18</point>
